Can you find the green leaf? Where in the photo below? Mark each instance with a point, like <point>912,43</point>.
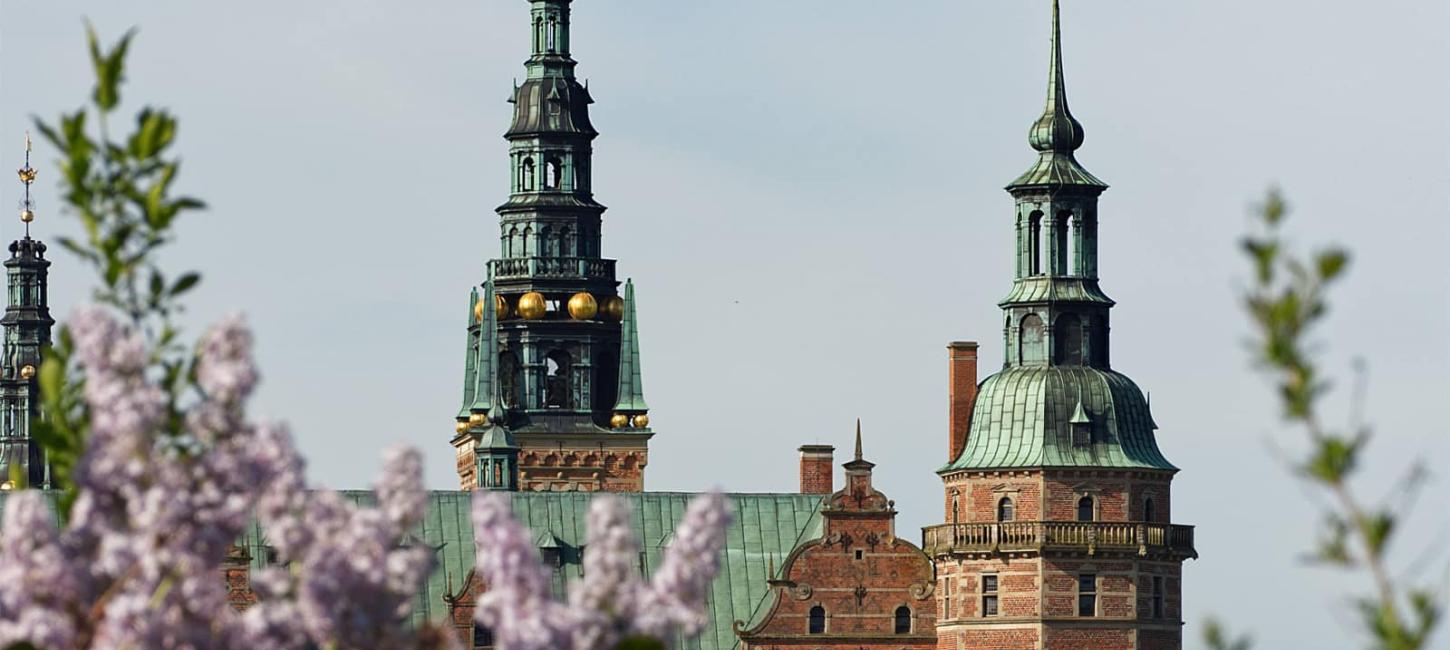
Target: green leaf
<point>1331,263</point>
<point>1376,528</point>
<point>185,283</point>
<point>1333,458</point>
<point>109,67</point>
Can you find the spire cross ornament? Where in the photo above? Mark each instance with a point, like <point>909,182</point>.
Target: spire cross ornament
<point>27,176</point>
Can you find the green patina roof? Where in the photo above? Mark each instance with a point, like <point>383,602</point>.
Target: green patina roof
<point>764,527</point>
<point>1041,288</point>
<point>1023,417</point>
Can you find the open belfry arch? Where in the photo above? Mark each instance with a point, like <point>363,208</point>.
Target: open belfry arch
<point>1057,531</point>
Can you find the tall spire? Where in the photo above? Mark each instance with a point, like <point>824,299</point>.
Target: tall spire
<point>858,438</point>
<point>485,388</point>
<point>631,381</point>
<point>1057,130</point>
<point>1056,134</point>
<point>27,324</point>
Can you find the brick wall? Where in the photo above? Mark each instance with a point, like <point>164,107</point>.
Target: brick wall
<point>962,380</point>
<point>817,469</point>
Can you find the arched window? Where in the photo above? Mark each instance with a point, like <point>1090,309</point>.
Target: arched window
<point>1034,243</point>
<point>1029,340</point>
<point>1068,336</point>
<point>548,246</point>
<point>1060,238</point>
<point>528,239</point>
<point>1006,510</point>
<point>1098,341</point>
<point>513,240</point>
<point>956,505</point>
<point>553,27</point>
<point>1149,512</point>
<point>508,378</point>
<point>1085,509</point>
<point>526,183</point>
<point>817,623</point>
<point>903,620</point>
<point>538,33</point>
<point>567,237</point>
<point>556,380</point>
<point>497,473</point>
<point>551,174</point>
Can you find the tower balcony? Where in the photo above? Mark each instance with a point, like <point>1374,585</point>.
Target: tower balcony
<point>553,268</point>
<point>1089,537</point>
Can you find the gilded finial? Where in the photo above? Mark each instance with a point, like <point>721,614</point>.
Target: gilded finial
<point>27,177</point>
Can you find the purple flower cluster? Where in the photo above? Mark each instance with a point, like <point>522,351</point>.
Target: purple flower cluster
<point>611,602</point>
<point>136,566</point>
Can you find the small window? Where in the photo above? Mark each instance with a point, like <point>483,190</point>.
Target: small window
<point>950,603</point>
<point>817,623</point>
<point>482,636</point>
<point>860,554</point>
<point>903,620</point>
<point>1085,509</point>
<point>989,595</point>
<point>1005,510</point>
<point>1149,513</point>
<point>1087,594</point>
<point>1157,596</point>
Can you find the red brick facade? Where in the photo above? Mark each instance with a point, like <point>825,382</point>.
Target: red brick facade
<point>1049,559</point>
<point>559,465</point>
<point>857,586</point>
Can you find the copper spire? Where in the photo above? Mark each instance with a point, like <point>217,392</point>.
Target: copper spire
<point>858,438</point>
<point>1057,130</point>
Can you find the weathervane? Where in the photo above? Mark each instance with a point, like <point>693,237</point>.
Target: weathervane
<point>27,177</point>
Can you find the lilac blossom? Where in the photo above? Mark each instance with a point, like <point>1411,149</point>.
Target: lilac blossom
<point>611,602</point>
<point>516,606</point>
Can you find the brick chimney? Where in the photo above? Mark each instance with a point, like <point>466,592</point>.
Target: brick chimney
<point>962,375</point>
<point>817,469</point>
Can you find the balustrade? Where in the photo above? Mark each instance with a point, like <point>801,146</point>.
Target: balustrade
<point>1141,537</point>
<point>553,267</point>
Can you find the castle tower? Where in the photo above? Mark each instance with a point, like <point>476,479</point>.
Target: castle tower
<point>27,324</point>
<point>1057,530</point>
<point>564,366</point>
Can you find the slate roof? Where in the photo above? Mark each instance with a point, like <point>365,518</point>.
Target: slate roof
<point>1022,418</point>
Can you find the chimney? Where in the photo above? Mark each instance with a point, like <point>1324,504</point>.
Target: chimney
<point>817,468</point>
<point>962,375</point>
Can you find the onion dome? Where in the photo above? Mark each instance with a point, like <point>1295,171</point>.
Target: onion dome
<point>1025,416</point>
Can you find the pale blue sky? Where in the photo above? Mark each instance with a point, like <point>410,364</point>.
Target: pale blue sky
<point>808,195</point>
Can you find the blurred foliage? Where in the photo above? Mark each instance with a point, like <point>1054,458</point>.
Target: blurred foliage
<point>1286,301</point>
<point>120,188</point>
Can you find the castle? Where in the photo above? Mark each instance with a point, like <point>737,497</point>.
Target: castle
<point>1056,530</point>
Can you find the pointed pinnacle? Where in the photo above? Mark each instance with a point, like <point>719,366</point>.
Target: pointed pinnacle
<point>858,438</point>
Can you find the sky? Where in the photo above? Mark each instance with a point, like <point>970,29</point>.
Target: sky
<point>809,197</point>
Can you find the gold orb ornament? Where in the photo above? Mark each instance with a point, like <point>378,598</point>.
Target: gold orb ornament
<point>27,216</point>
<point>613,307</point>
<point>582,306</point>
<point>461,426</point>
<point>27,371</point>
<point>619,421</point>
<point>531,306</point>
<point>477,419</point>
<point>478,310</point>
<point>501,305</point>
<point>640,421</point>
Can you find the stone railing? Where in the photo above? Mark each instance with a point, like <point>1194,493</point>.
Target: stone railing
<point>1087,536</point>
<point>553,267</point>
